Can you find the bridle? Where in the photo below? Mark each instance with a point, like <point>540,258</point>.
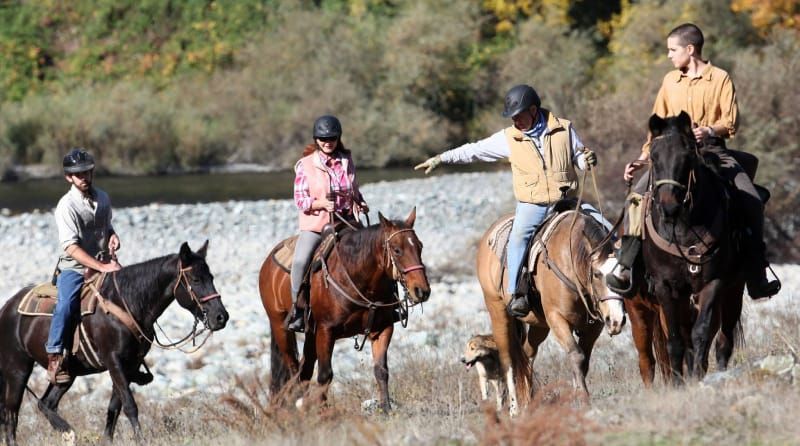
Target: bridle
<point>398,275</point>
<point>690,182</point>
<point>182,278</point>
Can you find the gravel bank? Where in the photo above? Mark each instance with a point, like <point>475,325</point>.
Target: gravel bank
<point>452,213</point>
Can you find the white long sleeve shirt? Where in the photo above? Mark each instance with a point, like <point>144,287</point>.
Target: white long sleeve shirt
<point>496,147</point>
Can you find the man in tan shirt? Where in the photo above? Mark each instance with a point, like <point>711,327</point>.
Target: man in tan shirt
<point>707,94</point>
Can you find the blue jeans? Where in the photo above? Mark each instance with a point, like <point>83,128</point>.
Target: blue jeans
<point>527,218</point>
<point>67,309</point>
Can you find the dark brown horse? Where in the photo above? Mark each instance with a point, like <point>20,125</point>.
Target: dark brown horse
<point>143,291</point>
<point>353,293</point>
<point>569,272</point>
<point>693,274</point>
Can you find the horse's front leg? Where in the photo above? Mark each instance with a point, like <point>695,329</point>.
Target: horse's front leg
<point>563,333</point>
<point>380,365</point>
<point>324,341</point>
<point>642,326</point>
<point>701,330</point>
<point>112,414</point>
<point>675,341</point>
<point>123,391</point>
<point>48,405</point>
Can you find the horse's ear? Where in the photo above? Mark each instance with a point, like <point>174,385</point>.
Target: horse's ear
<point>185,253</point>
<point>411,217</point>
<point>656,125</point>
<point>383,220</point>
<point>203,250</point>
<point>684,122</point>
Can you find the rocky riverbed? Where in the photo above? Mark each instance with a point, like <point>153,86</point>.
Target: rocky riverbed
<point>452,213</point>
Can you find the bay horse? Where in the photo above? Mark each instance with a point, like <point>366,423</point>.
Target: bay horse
<point>144,291</point>
<point>569,273</point>
<point>693,277</point>
<point>354,293</point>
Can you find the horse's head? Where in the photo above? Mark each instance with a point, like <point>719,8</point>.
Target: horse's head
<point>403,253</point>
<point>673,154</point>
<point>194,288</point>
<point>608,302</point>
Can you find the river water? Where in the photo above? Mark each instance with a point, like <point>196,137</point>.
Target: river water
<point>44,194</point>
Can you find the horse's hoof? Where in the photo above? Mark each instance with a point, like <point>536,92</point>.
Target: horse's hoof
<point>68,438</point>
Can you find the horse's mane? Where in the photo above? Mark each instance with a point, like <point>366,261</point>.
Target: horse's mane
<point>355,246</point>
<point>136,282</point>
<point>686,141</point>
<point>595,233</point>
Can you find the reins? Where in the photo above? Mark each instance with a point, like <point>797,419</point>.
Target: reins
<point>192,335</point>
<point>398,275</point>
<point>593,310</point>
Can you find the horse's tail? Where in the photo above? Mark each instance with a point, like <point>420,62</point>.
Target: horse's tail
<point>279,370</point>
<point>739,341</point>
<point>660,350</point>
<point>523,372</point>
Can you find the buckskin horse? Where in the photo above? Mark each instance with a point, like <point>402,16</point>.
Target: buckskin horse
<point>692,280</point>
<point>568,269</point>
<point>353,293</point>
<point>135,297</point>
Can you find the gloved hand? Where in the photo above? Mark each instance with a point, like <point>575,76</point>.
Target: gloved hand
<point>429,164</point>
<point>590,157</point>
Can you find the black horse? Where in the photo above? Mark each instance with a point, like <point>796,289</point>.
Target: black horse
<point>692,263</point>
<point>144,291</point>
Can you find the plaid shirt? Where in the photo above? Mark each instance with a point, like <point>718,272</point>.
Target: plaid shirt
<point>339,183</point>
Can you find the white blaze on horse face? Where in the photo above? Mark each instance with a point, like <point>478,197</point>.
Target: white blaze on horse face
<point>612,310</point>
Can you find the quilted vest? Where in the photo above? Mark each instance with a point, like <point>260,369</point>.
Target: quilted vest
<point>536,178</point>
<point>318,187</point>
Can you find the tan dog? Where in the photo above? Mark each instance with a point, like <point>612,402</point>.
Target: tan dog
<point>481,351</point>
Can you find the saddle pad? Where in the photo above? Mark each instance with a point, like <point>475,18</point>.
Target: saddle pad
<point>498,239</point>
<point>41,299</point>
<point>284,253</point>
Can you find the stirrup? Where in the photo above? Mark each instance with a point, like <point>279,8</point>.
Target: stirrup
<point>619,284</point>
<point>518,306</point>
<point>295,321</point>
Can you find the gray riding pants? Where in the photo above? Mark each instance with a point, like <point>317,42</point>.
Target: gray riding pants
<point>307,243</point>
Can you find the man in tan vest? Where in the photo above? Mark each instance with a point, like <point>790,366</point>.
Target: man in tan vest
<point>543,151</point>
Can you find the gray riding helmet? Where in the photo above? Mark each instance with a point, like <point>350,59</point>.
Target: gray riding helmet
<point>327,126</point>
<point>519,99</point>
<point>78,160</point>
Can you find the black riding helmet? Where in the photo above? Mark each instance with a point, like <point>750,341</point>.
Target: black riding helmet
<point>78,160</point>
<point>519,99</point>
<point>327,127</point>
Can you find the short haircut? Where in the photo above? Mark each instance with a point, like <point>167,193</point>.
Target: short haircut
<point>689,34</point>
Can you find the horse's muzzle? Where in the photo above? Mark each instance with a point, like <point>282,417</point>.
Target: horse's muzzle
<point>420,294</point>
<point>217,319</point>
<point>614,327</point>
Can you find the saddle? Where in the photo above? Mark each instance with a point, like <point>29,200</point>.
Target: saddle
<point>284,253</point>
<point>41,301</point>
<point>498,239</point>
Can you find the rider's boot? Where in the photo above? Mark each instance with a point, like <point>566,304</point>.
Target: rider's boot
<point>55,369</point>
<point>297,321</point>
<point>758,286</point>
<point>619,280</point>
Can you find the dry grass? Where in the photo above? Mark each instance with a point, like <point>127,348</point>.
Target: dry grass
<point>436,402</point>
